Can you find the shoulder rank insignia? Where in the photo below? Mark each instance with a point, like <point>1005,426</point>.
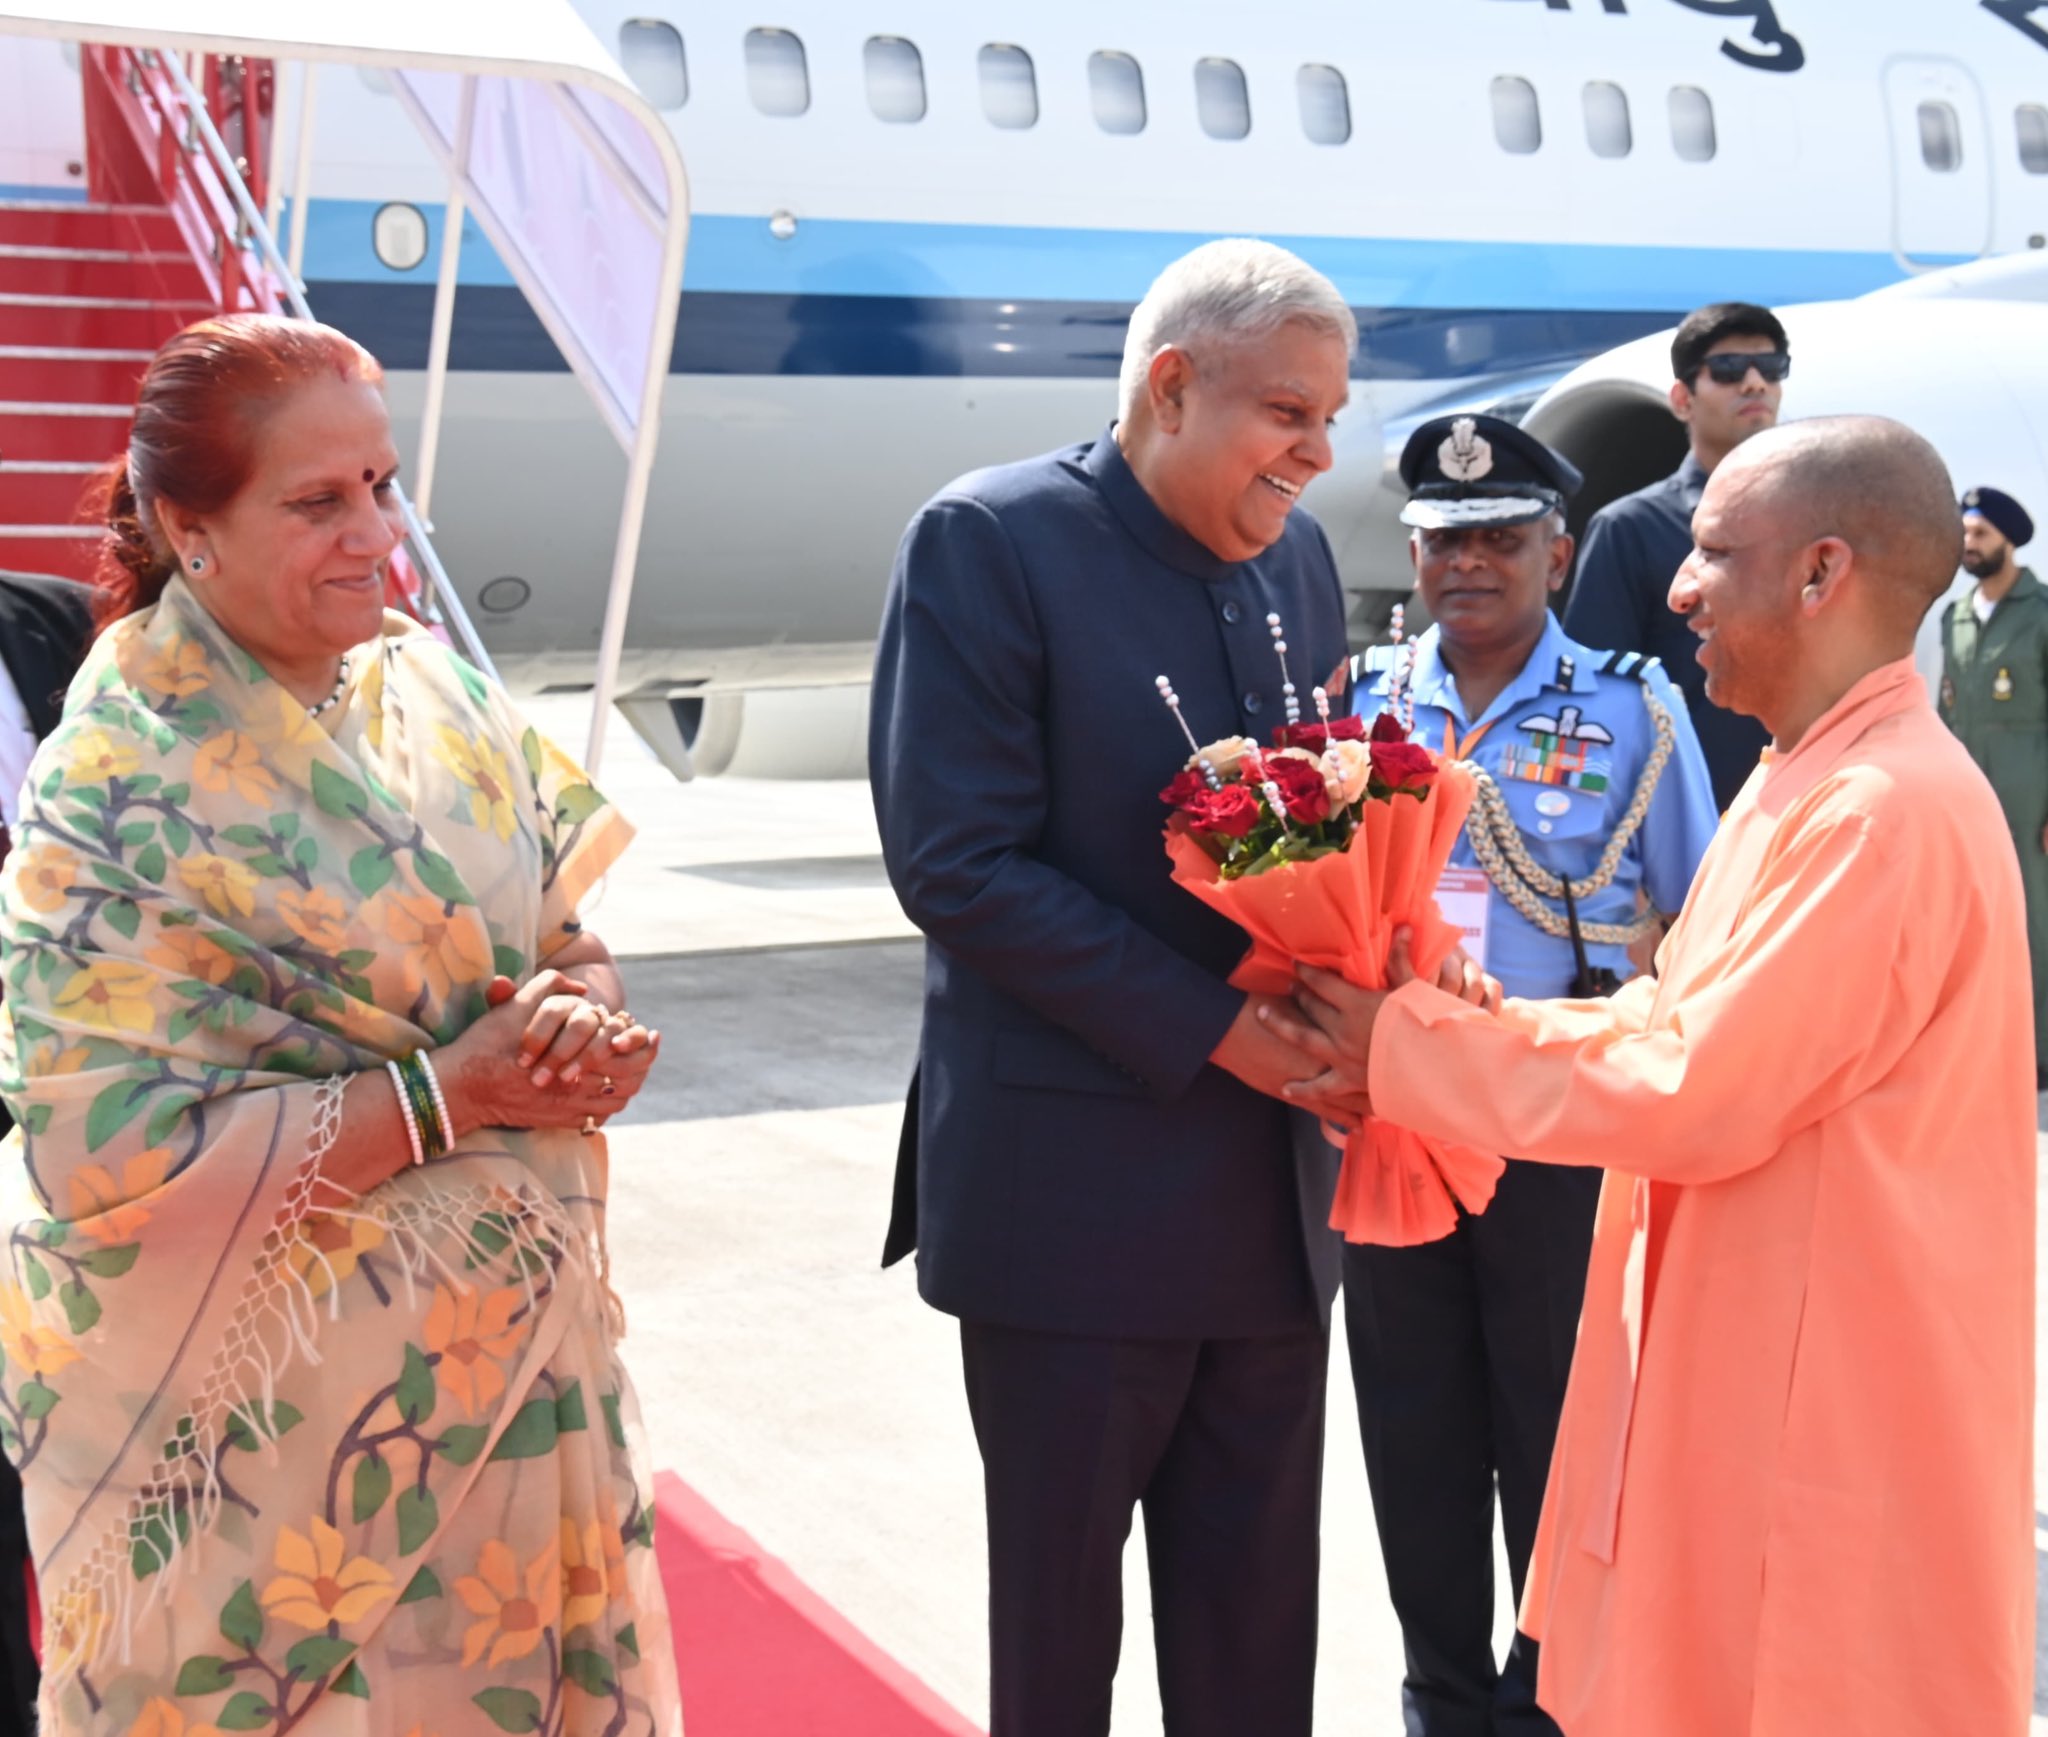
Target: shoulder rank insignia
<point>1375,660</point>
<point>1626,663</point>
<point>1559,751</point>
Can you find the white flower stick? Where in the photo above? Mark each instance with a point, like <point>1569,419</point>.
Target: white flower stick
<point>1286,681</point>
<point>1172,700</point>
<point>1395,634</point>
<point>1279,804</point>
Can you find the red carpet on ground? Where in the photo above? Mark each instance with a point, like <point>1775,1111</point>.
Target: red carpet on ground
<point>761,1654</point>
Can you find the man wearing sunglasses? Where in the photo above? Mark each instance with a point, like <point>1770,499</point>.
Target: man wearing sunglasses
<point>1729,362</point>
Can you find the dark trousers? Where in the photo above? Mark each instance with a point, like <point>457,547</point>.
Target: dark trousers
<point>1459,1354</point>
<point>1221,1443</point>
<point>19,1677</point>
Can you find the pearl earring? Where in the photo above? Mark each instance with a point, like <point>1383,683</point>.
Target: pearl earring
<point>198,563</point>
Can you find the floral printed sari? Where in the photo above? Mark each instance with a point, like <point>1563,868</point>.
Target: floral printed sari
<point>297,1460</point>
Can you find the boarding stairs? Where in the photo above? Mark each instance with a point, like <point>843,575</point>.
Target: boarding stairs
<point>88,291</point>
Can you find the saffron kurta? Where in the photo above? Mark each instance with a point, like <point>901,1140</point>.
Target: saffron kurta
<point>1792,1492</point>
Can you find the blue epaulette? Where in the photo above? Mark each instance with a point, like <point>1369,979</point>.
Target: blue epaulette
<point>1633,664</point>
<point>1375,660</point>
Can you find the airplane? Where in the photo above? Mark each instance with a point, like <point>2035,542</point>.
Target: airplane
<point>917,235</point>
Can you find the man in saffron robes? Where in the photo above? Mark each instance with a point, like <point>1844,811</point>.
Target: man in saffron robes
<point>1792,1491</point>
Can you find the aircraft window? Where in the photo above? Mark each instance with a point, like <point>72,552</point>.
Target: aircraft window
<point>1941,138</point>
<point>1608,132</point>
<point>652,54</point>
<point>1517,120</point>
<point>1009,86</point>
<point>895,78</point>
<point>2032,120</point>
<point>1325,105</point>
<point>399,234</point>
<point>1116,88</point>
<point>1692,124</point>
<point>1222,103</point>
<point>778,76</point>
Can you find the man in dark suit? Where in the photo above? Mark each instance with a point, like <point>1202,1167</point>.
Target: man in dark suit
<point>1096,1171</point>
<point>45,626</point>
<point>1729,363</point>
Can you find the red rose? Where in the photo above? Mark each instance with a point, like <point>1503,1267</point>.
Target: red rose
<point>1387,728</point>
<point>1186,786</point>
<point>1315,738</point>
<point>1302,789</point>
<point>1404,765</point>
<point>1232,811</point>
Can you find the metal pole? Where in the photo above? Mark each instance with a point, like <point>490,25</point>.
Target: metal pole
<point>302,173</point>
<point>640,467</point>
<point>280,113</point>
<point>444,305</point>
<point>619,598</point>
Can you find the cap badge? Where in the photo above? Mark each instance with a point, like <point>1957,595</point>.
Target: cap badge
<point>1972,498</point>
<point>1467,455</point>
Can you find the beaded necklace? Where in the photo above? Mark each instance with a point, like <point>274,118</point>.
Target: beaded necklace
<point>333,699</point>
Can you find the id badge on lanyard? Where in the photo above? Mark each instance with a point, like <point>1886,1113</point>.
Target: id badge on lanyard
<point>1465,897</point>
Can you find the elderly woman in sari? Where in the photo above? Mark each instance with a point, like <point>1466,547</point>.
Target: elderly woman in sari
<point>310,1359</point>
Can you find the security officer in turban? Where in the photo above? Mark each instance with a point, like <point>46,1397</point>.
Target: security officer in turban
<point>1594,810</point>
<point>1994,695</point>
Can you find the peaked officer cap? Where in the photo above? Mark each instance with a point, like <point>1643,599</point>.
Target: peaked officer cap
<point>1469,471</point>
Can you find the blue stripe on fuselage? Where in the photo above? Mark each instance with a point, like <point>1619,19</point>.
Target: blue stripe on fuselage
<point>939,337</point>
<point>992,262</point>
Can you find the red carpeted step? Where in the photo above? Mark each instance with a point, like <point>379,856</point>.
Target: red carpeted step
<point>762,1655</point>
<point>74,271</point>
<point>62,375</point>
<point>62,557</point>
<point>59,224</point>
<point>85,321</point>
<point>42,494</point>
<point>41,431</point>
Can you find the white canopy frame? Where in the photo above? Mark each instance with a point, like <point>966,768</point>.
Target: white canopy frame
<point>539,40</point>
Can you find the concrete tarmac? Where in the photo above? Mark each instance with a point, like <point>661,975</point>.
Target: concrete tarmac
<point>807,1394</point>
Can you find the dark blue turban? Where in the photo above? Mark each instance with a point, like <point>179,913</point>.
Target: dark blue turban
<point>2003,513</point>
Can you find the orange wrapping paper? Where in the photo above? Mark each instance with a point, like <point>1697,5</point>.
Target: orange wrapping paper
<point>1340,912</point>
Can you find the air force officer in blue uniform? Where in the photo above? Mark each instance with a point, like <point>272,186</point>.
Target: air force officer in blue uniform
<point>1097,1172</point>
<point>1595,807</point>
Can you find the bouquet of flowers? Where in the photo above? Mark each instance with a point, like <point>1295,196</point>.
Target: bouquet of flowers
<point>1320,847</point>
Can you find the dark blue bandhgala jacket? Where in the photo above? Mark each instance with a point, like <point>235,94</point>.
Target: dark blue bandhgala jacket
<point>1071,1161</point>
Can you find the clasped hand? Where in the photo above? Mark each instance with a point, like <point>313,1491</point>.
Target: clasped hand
<point>1327,1025</point>
<point>545,1056</point>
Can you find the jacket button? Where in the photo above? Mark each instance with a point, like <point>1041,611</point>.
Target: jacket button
<point>1233,611</point>
<point>1252,702</point>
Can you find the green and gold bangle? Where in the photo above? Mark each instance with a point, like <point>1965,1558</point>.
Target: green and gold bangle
<point>424,1102</point>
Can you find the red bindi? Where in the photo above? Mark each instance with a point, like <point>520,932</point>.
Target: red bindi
<point>369,476</point>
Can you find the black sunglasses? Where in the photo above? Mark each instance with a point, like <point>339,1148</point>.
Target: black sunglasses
<point>1732,367</point>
